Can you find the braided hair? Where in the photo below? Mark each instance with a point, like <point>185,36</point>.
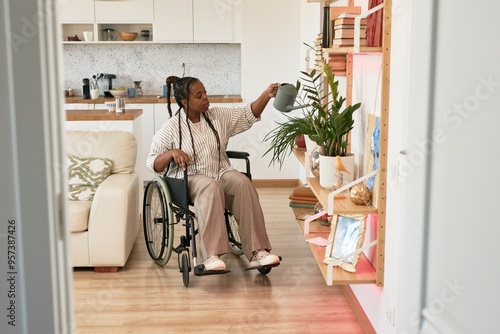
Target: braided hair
<point>181,88</point>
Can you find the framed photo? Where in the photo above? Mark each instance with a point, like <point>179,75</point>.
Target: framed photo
<point>346,236</point>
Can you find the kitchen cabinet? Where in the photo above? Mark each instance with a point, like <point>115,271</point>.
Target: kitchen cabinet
<point>170,21</point>
<point>75,11</point>
<point>161,115</point>
<point>146,135</point>
<point>173,21</point>
<point>140,11</point>
<point>213,20</point>
<point>196,21</point>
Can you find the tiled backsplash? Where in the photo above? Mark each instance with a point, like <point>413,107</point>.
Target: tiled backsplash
<point>218,66</point>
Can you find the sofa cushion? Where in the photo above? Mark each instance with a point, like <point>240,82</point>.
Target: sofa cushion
<point>119,146</point>
<point>78,214</point>
<point>85,175</point>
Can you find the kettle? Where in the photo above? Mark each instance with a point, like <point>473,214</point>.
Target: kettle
<point>285,98</point>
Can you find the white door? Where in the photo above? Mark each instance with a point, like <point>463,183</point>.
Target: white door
<point>36,281</point>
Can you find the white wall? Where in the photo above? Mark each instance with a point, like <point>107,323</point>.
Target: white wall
<point>271,44</point>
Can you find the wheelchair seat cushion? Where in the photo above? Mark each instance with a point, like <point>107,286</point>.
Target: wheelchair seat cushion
<point>78,213</point>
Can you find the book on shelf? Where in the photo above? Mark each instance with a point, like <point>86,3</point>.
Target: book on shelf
<point>337,62</point>
<point>347,42</point>
<point>347,15</point>
<point>348,21</point>
<point>337,67</point>
<point>302,205</point>
<point>347,33</point>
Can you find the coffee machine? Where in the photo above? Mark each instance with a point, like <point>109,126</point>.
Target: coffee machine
<point>86,88</point>
<point>108,84</point>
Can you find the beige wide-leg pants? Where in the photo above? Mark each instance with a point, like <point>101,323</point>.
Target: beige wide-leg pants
<point>235,192</point>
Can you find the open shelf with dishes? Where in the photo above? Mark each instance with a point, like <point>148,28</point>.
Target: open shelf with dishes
<point>101,31</point>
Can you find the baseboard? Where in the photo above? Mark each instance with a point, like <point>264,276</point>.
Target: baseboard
<point>275,183</point>
<point>357,309</point>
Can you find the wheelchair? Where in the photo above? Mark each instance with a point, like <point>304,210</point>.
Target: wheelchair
<point>166,203</point>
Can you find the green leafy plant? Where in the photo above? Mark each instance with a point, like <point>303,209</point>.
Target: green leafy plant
<point>323,120</point>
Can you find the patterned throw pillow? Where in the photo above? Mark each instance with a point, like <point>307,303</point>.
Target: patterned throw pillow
<point>85,175</point>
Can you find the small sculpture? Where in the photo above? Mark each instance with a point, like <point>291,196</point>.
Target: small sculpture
<point>360,194</point>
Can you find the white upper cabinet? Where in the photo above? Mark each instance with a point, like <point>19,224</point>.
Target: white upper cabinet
<point>213,20</point>
<point>173,21</point>
<point>198,21</point>
<point>126,11</point>
<point>75,11</point>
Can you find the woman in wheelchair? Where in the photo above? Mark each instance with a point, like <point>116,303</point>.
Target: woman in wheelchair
<point>196,138</point>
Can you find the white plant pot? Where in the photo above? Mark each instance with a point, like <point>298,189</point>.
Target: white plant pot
<point>328,174</point>
<point>310,145</point>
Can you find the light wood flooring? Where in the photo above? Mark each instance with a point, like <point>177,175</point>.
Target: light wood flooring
<point>145,298</point>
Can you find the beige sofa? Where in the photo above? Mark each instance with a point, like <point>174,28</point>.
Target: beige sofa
<point>104,229</point>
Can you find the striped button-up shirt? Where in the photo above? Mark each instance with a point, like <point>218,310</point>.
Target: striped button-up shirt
<point>227,121</point>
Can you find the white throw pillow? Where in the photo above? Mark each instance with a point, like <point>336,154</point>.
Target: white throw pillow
<point>85,175</point>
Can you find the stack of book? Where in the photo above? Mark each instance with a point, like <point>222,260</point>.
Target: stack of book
<point>302,197</point>
<point>337,62</point>
<point>318,53</point>
<point>343,32</point>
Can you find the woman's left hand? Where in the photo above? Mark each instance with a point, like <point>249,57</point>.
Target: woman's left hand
<point>272,89</point>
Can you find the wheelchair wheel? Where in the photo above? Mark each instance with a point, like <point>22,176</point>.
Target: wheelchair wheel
<point>158,221</point>
<point>264,271</point>
<point>184,269</point>
<point>233,235</point>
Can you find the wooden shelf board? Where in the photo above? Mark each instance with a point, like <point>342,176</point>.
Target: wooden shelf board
<point>300,153</point>
<point>350,49</point>
<point>343,205</point>
<point>365,273</point>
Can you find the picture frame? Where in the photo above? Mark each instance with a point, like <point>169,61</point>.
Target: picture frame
<point>346,236</point>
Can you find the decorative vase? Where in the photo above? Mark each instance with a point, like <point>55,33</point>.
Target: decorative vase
<point>328,175</point>
<point>314,161</point>
<point>94,94</point>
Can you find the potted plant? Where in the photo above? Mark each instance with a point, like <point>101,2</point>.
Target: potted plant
<point>324,120</point>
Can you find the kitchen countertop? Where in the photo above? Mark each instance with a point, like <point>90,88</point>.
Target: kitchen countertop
<point>151,99</point>
<point>102,115</point>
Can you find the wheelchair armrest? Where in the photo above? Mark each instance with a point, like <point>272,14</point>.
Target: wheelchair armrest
<point>243,156</point>
<point>237,154</point>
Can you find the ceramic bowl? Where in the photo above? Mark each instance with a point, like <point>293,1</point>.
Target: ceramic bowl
<point>117,92</point>
<point>128,36</point>
<point>110,105</point>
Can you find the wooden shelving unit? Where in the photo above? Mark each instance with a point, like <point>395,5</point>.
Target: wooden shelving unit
<point>366,272</point>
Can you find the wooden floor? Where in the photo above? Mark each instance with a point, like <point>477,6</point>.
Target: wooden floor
<point>145,298</point>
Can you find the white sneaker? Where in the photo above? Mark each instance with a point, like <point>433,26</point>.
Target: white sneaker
<point>214,263</point>
<point>263,258</point>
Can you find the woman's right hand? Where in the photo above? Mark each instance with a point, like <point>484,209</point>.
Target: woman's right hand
<point>180,158</point>
<point>175,155</point>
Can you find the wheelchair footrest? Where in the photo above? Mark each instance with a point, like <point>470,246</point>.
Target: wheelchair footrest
<point>199,271</point>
